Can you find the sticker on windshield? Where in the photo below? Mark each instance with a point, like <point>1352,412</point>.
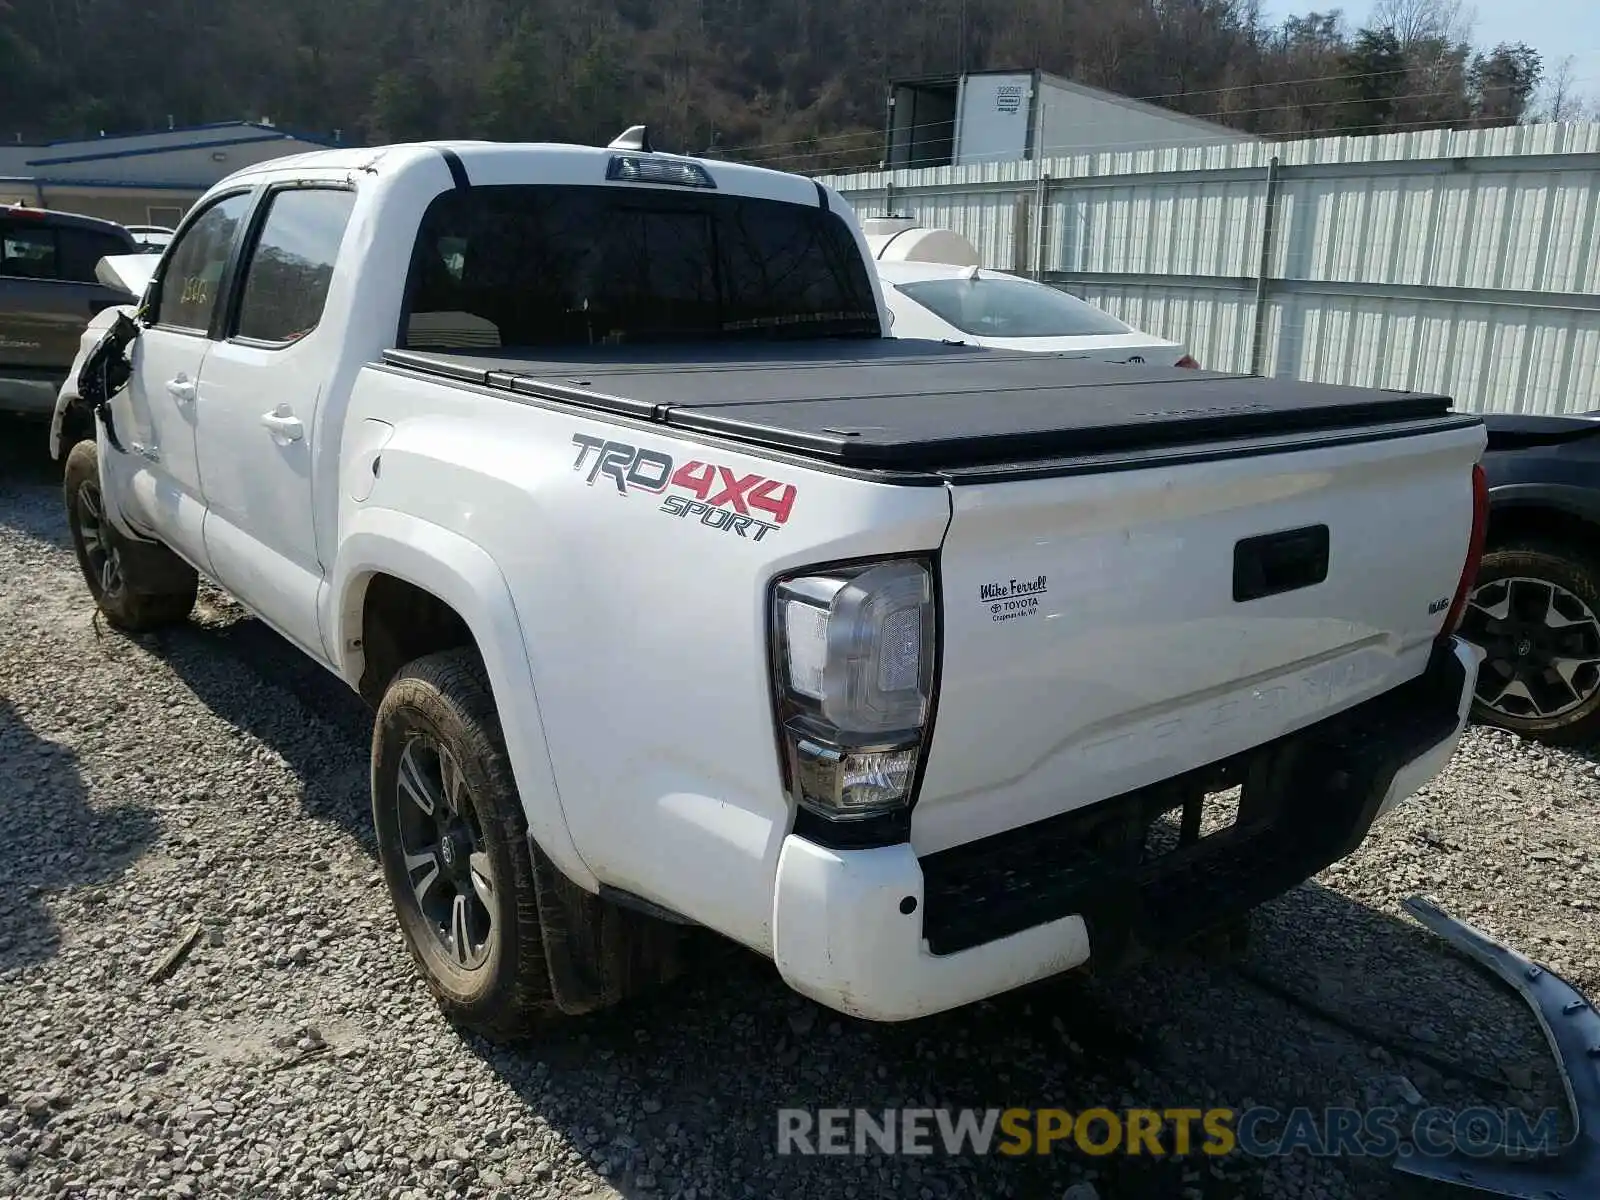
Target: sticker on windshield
<point>1013,599</point>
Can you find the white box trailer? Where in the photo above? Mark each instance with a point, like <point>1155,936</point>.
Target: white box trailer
<point>1007,116</point>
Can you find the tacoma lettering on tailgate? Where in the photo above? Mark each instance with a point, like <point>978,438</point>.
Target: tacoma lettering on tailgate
<point>715,496</point>
<point>1284,703</point>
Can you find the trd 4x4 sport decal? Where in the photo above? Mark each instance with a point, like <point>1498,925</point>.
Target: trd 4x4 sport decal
<point>718,497</point>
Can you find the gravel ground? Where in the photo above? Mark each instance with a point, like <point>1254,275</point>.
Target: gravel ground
<point>210,785</point>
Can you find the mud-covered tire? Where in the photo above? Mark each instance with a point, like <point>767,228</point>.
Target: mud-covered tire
<point>442,703</point>
<point>139,586</point>
<point>1549,592</point>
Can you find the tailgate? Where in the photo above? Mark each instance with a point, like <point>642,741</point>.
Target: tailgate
<point>1094,644</point>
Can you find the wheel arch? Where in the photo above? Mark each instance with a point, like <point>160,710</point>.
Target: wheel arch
<point>400,622</point>
<point>429,589</point>
<point>1547,513</point>
<point>71,423</point>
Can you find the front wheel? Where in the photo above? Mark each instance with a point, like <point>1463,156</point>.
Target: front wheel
<point>1535,612</point>
<point>137,585</point>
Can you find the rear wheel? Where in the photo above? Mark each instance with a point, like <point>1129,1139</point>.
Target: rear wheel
<point>137,585</point>
<point>1535,611</point>
<point>453,841</point>
<point>503,939</point>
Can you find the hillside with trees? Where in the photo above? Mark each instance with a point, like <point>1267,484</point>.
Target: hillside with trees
<point>798,84</point>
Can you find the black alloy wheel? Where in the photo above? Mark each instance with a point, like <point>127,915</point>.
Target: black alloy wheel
<point>101,543</point>
<point>1535,612</point>
<point>446,862</point>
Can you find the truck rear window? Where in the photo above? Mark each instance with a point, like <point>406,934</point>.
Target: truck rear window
<point>560,266</point>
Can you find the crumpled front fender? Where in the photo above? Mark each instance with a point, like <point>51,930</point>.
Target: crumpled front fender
<point>67,398</point>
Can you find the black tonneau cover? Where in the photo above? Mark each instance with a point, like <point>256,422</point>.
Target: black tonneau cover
<point>917,405</point>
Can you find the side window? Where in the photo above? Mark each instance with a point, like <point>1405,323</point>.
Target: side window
<point>28,252</point>
<point>82,250</point>
<point>286,282</point>
<point>194,269</point>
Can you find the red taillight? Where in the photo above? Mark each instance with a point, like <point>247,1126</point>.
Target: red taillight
<point>22,210</point>
<point>1188,363</point>
<point>1469,569</point>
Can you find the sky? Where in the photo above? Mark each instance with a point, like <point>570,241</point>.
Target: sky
<point>1555,28</point>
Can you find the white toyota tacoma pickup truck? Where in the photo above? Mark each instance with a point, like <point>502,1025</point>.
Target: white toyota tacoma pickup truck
<point>687,596</point>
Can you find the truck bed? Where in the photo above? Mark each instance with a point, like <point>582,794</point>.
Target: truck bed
<point>913,405</point>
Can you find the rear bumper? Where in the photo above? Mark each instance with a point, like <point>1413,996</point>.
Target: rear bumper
<point>884,935</point>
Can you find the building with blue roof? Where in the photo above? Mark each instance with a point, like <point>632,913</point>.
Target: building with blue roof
<point>142,178</point>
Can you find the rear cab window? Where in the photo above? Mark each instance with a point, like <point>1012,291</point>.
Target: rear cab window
<point>545,266</point>
<point>291,265</point>
<point>999,307</point>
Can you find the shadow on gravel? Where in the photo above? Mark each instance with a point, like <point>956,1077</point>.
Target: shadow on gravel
<point>25,465</point>
<point>51,840</point>
<point>1330,1006</point>
<point>25,452</point>
<point>716,1059</point>
<point>320,727</point>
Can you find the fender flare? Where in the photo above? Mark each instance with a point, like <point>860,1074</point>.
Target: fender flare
<point>66,401</point>
<point>463,575</point>
<point>1580,502</point>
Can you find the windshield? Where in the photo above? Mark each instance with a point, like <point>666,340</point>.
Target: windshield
<point>1010,308</point>
<point>558,266</point>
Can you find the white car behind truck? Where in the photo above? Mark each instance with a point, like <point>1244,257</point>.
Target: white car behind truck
<point>937,289</point>
<point>687,596</point>
<point>932,301</point>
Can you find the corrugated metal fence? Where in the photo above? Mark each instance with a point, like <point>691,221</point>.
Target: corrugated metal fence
<point>1466,262</point>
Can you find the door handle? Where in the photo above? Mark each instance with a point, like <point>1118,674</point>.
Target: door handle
<point>284,424</point>
<point>1274,563</point>
<point>182,390</point>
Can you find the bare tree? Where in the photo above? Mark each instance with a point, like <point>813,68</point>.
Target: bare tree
<point>1414,22</point>
<point>1560,99</point>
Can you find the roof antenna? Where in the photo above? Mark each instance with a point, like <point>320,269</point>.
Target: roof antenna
<point>636,137</point>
